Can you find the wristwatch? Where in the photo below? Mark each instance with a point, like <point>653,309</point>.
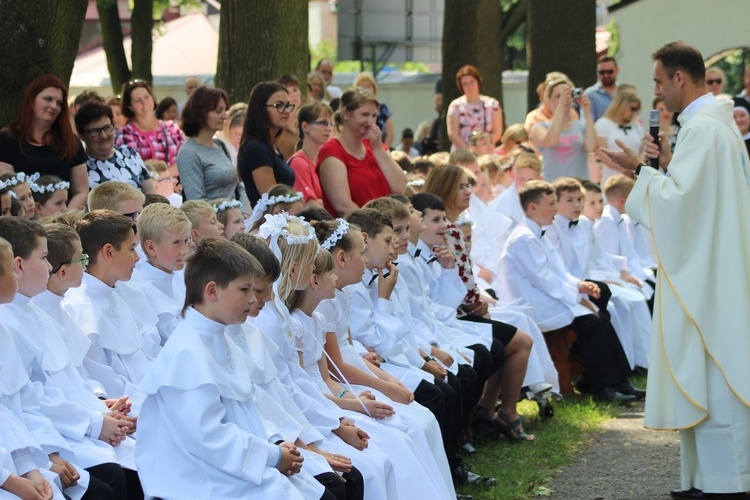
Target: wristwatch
<point>428,358</point>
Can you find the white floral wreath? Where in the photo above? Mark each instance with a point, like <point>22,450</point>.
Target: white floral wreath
<point>266,201</point>
<point>415,183</point>
<point>276,225</point>
<point>464,221</point>
<point>227,205</point>
<point>339,233</point>
<point>20,178</point>
<point>49,188</point>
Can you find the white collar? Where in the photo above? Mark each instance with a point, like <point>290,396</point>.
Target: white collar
<point>77,342</point>
<point>13,374</point>
<point>694,106</point>
<point>535,228</point>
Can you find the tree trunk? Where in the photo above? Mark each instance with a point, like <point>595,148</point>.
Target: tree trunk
<point>246,58</point>
<point>471,36</point>
<point>117,63</point>
<point>562,37</point>
<point>142,27</point>
<point>36,37</point>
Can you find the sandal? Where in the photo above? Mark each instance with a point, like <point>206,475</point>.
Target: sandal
<point>512,430</point>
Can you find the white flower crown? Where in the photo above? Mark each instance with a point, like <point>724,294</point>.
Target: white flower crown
<point>20,178</point>
<point>339,233</point>
<point>226,205</point>
<point>416,183</point>
<point>276,225</point>
<point>464,221</point>
<point>49,188</point>
<point>266,201</point>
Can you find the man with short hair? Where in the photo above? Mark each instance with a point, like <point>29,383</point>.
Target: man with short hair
<point>325,68</point>
<point>191,83</point>
<point>602,92</point>
<point>699,378</point>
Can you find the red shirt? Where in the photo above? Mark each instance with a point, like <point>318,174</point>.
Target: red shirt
<point>306,180</point>
<point>366,180</point>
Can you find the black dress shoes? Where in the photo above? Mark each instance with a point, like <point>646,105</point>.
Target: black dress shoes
<point>628,389</point>
<point>696,494</point>
<point>610,395</point>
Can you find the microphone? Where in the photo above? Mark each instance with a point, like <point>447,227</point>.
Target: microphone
<point>653,129</point>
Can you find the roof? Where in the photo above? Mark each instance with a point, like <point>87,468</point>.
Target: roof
<point>186,46</point>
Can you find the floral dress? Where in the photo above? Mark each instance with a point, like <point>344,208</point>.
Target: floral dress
<point>455,240</point>
<point>125,165</point>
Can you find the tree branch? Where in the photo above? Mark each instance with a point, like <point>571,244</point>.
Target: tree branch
<point>512,19</point>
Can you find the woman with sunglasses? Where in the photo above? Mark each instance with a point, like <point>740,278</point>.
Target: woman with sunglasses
<point>152,138</point>
<point>107,162</point>
<point>620,122</point>
<point>315,124</point>
<point>40,139</point>
<point>260,164</point>
<point>355,166</point>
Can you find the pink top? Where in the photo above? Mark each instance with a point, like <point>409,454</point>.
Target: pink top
<point>306,180</point>
<point>160,144</point>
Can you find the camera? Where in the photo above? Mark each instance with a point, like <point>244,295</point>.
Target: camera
<point>577,93</point>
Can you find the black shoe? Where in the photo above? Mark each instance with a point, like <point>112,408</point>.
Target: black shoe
<point>696,494</point>
<point>464,497</point>
<point>628,389</point>
<point>609,395</point>
<point>463,476</point>
<point>467,447</point>
<point>483,428</point>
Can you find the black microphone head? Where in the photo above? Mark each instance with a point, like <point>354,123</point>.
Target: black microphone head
<point>653,118</point>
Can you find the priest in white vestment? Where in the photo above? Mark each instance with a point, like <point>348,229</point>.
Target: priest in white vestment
<point>699,215</point>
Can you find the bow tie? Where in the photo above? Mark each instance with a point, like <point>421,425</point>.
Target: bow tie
<point>572,223</point>
<point>543,231</point>
<point>372,280</point>
<point>620,221</point>
<point>625,128</point>
<point>417,252</point>
<point>431,260</point>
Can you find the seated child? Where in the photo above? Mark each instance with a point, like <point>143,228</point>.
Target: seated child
<point>203,221</point>
<point>526,167</point>
<point>229,215</point>
<point>481,143</point>
<point>5,199</point>
<point>530,269</point>
<point>280,198</point>
<point>120,197</point>
<point>200,433</point>
<point>50,196</point>
<point>20,186</point>
<point>122,347</point>
<point>164,232</point>
<point>164,183</point>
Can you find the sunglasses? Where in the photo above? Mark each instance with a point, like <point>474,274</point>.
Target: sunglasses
<point>282,107</point>
<point>83,259</point>
<point>711,82</point>
<point>606,71</point>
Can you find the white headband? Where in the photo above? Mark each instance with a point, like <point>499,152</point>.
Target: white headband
<point>276,226</point>
<point>339,233</point>
<point>416,183</point>
<point>226,205</point>
<point>49,188</point>
<point>20,178</point>
<point>265,201</point>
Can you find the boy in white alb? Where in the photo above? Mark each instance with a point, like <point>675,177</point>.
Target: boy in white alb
<point>531,269</point>
<point>572,236</point>
<point>526,167</point>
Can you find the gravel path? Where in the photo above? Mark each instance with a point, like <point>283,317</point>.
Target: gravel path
<point>626,462</point>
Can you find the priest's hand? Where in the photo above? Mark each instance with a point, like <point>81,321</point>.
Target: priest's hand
<point>68,474</point>
<point>663,151</point>
<point>291,460</point>
<point>627,158</point>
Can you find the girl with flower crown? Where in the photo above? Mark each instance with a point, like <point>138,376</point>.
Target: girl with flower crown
<point>229,214</point>
<point>280,198</point>
<point>20,188</point>
<point>294,243</point>
<point>50,196</point>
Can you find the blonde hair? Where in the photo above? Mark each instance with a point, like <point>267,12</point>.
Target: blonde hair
<point>567,185</point>
<point>490,164</point>
<point>516,133</point>
<point>5,251</point>
<point>235,118</point>
<point>322,264</point>
<point>527,160</point>
<point>389,206</point>
<point>622,100</point>
<point>108,194</point>
<point>69,218</point>
<point>223,215</point>
<point>618,185</point>
<point>157,167</point>
<point>554,83</point>
<point>195,209</point>
<point>462,157</point>
<point>440,158</point>
<point>365,78</point>
<point>158,219</point>
<point>302,253</point>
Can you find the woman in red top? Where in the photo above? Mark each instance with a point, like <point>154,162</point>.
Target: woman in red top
<point>355,167</point>
<point>314,122</point>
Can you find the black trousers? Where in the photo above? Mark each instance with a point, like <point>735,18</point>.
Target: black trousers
<point>604,361</point>
<point>604,295</point>
<point>444,403</point>
<point>107,481</point>
<point>353,488</point>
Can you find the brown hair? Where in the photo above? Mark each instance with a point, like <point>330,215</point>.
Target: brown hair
<point>533,191</point>
<point>325,228</point>
<point>618,185</point>
<point>23,234</point>
<point>352,99</point>
<point>60,240</point>
<point>101,227</point>
<point>468,70</point>
<point>370,221</point>
<point>443,181</point>
<point>679,56</point>
<point>201,101</point>
<point>393,208</point>
<point>567,185</point>
<point>127,90</point>
<point>462,157</point>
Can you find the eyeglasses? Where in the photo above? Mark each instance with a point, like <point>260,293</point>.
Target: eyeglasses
<point>96,132</point>
<point>465,187</point>
<point>713,81</point>
<point>132,215</point>
<point>606,72</point>
<point>282,107</point>
<point>322,123</point>
<point>83,260</point>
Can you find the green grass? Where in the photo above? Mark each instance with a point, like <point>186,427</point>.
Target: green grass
<point>523,470</point>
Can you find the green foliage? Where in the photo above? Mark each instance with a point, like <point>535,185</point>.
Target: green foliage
<point>326,49</point>
<point>524,470</point>
<point>514,55</point>
<point>733,65</point>
<point>614,37</point>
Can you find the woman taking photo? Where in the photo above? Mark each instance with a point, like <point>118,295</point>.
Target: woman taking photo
<point>618,123</point>
<point>41,139</point>
<point>472,112</point>
<point>355,167</point>
<point>105,162</point>
<point>563,142</point>
<point>260,164</point>
<point>152,138</point>
<point>206,170</point>
<point>315,123</point>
